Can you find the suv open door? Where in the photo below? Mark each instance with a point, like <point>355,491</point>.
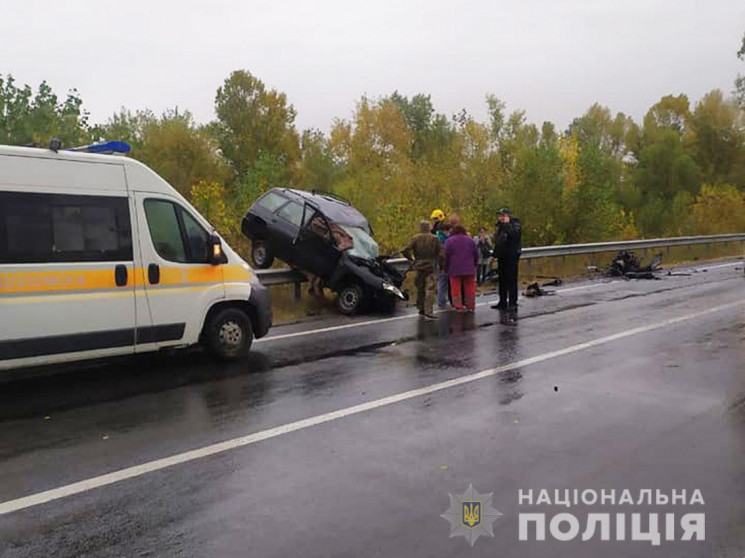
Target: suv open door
<point>316,245</point>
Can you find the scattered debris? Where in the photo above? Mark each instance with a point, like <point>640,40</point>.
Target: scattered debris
<point>534,289</point>
<point>678,274</point>
<point>626,264</point>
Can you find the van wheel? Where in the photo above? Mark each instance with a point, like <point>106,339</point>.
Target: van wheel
<point>261,256</point>
<point>350,300</point>
<point>228,335</point>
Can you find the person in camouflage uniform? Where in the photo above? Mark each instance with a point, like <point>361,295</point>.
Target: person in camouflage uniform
<point>427,254</point>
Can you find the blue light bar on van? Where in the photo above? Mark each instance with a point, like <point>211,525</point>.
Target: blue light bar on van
<point>106,147</point>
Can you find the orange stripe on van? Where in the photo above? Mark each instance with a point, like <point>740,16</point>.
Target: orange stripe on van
<point>235,273</point>
<point>95,279</point>
<point>56,281</point>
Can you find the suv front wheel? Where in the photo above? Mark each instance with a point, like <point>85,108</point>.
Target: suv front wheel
<point>351,298</point>
<point>228,334</point>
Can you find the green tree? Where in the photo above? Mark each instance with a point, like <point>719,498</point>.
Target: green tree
<point>36,117</point>
<point>718,139</point>
<point>740,80</point>
<point>318,169</point>
<point>255,123</point>
<point>174,147</point>
<point>719,209</point>
<point>127,126</point>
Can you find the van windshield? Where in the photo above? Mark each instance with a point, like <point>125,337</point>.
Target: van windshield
<point>364,245</point>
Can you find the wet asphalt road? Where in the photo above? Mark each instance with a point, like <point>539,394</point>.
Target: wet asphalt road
<point>660,408</point>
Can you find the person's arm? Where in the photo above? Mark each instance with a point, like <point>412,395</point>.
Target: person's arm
<point>406,252</point>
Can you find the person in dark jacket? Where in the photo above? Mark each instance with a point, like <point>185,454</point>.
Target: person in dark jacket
<point>460,265</point>
<point>507,250</point>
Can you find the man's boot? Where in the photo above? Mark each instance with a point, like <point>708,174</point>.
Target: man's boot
<point>504,317</point>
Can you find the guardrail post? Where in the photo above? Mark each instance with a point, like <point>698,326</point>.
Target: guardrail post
<point>298,293</point>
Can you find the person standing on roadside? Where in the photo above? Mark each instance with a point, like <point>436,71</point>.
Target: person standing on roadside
<point>441,229</point>
<point>427,252</point>
<point>484,247</point>
<point>443,285</point>
<point>460,265</point>
<point>438,218</point>
<point>507,250</point>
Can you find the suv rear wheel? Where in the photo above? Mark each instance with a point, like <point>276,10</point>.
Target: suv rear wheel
<point>351,299</point>
<point>261,256</point>
<point>228,334</point>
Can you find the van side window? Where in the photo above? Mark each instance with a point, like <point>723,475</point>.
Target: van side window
<point>197,238</point>
<point>39,228</point>
<point>176,235</point>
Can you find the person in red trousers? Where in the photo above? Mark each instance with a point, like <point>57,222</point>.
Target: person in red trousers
<point>461,257</point>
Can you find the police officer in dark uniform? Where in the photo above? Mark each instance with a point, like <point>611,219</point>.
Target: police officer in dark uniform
<point>507,250</point>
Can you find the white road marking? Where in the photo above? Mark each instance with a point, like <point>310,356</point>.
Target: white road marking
<point>159,464</point>
<point>731,264</point>
<point>415,315</point>
<point>393,319</point>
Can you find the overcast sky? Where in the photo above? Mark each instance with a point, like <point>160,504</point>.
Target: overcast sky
<point>552,58</point>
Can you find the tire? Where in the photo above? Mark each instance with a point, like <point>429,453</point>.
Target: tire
<point>260,255</point>
<point>350,300</point>
<point>228,334</point>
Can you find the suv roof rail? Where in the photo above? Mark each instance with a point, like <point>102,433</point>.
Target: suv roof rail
<point>331,195</point>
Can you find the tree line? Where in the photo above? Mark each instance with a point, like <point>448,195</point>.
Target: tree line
<point>681,170</point>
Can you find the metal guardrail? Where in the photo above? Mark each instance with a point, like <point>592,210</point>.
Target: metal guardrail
<point>285,276</point>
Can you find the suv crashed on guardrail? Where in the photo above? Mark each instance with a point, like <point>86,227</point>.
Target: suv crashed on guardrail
<point>324,235</point>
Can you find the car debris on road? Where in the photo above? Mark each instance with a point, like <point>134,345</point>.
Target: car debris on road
<point>628,265</point>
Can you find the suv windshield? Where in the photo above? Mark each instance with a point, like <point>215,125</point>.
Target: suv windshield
<point>364,245</point>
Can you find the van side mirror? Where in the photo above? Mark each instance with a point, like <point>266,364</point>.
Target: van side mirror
<point>217,256</point>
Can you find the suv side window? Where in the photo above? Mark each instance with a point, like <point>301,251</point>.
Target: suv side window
<point>176,235</point>
<point>272,202</point>
<point>293,212</point>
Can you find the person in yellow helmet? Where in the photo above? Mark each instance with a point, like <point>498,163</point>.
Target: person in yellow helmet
<point>441,229</point>
<point>438,218</point>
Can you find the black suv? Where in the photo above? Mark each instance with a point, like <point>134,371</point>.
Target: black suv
<point>324,235</point>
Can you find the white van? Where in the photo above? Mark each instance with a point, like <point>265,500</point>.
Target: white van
<point>99,256</point>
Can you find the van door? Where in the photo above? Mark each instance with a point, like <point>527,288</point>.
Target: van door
<point>66,276</point>
<point>180,283</point>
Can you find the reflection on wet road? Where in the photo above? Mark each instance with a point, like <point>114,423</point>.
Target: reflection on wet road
<point>406,421</point>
